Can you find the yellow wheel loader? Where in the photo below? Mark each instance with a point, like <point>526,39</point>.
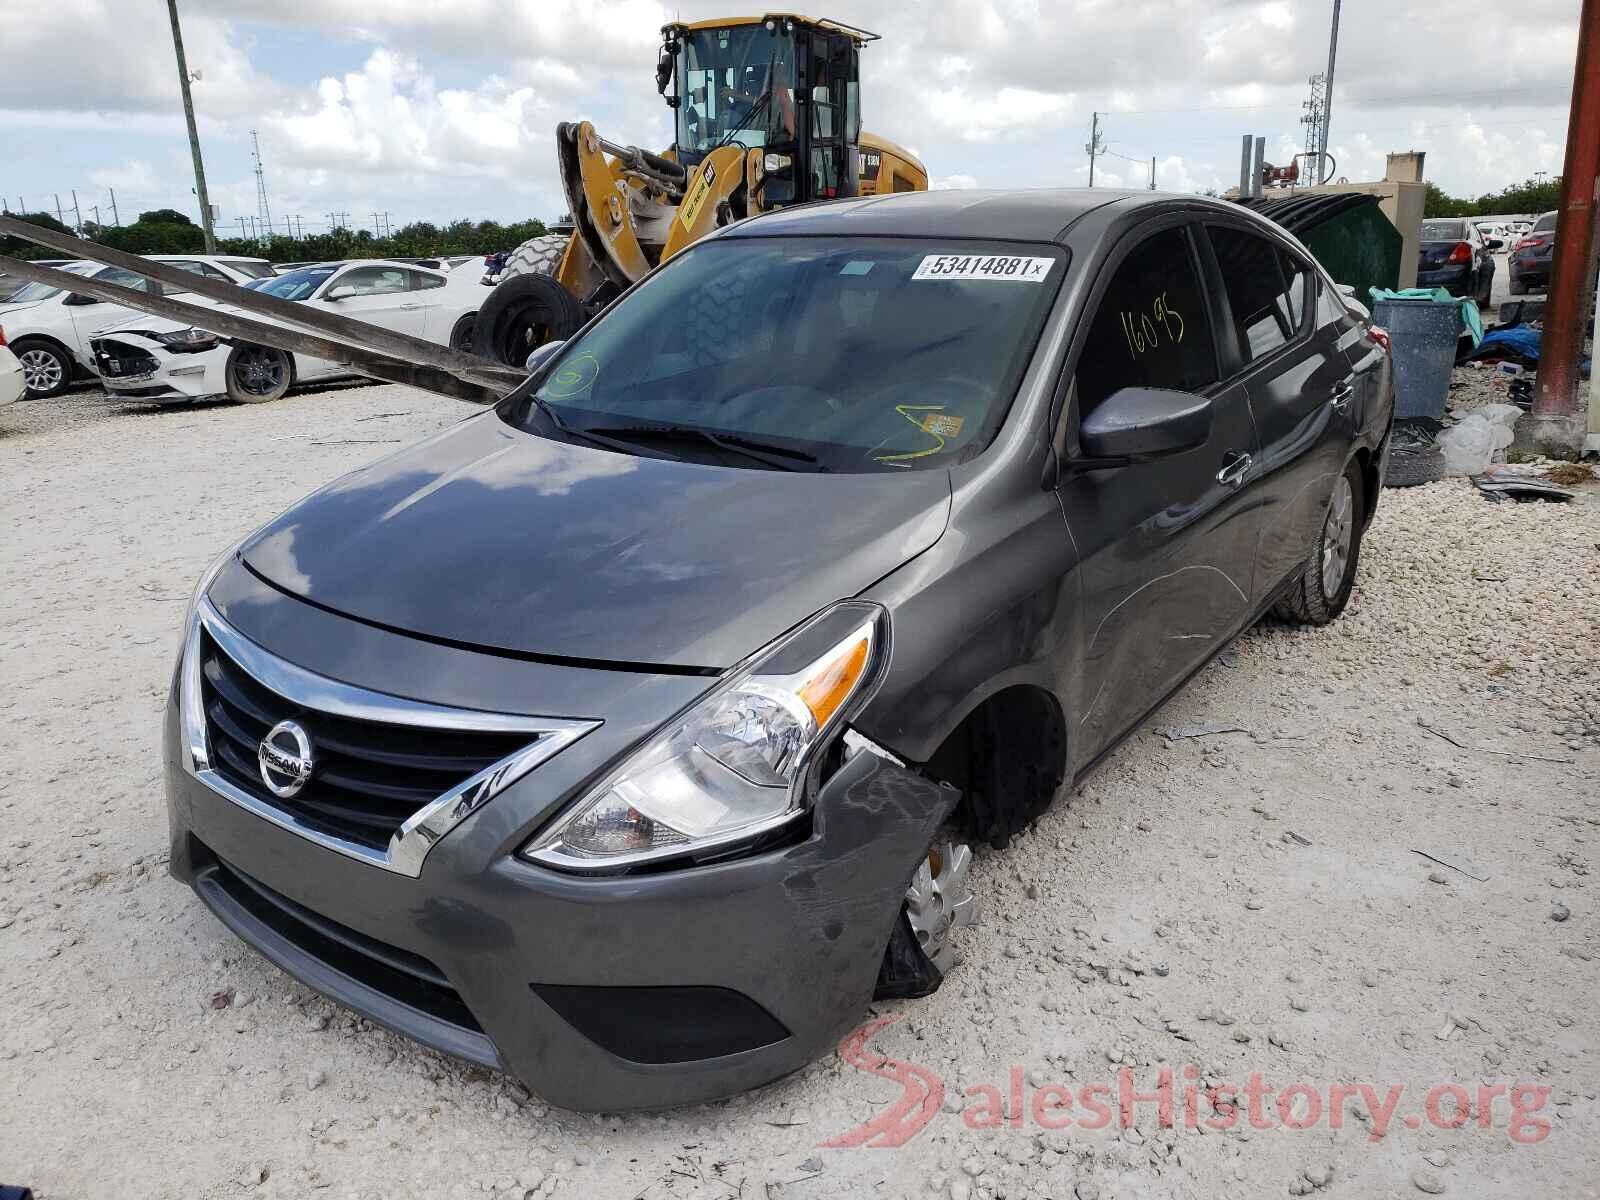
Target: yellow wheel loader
<point>766,114</point>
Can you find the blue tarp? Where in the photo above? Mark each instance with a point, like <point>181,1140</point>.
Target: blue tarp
<point>1519,341</point>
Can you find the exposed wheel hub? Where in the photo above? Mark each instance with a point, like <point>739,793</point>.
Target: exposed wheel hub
<point>940,898</point>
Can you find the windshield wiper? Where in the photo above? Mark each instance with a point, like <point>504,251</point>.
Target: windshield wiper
<point>780,458</point>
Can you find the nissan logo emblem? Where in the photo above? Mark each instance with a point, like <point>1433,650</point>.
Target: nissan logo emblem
<point>285,759</point>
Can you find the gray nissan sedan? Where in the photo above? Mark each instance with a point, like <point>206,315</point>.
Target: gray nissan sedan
<point>634,735</point>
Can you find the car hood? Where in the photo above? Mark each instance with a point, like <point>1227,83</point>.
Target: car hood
<point>489,536</point>
<point>8,310</point>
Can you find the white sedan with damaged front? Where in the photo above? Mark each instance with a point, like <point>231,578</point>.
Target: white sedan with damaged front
<point>165,361</point>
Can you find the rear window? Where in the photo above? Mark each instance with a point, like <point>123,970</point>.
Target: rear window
<point>1444,231</point>
<point>1546,223</point>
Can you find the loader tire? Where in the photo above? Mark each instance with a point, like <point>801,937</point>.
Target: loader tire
<point>522,314</point>
<point>536,256</point>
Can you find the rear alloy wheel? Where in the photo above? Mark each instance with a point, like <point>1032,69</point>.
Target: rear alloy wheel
<point>46,371</point>
<point>257,374</point>
<point>1323,587</point>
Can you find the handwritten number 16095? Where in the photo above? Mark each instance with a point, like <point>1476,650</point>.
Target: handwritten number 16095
<point>1144,330</point>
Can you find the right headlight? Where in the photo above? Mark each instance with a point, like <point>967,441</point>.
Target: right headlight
<point>735,764</point>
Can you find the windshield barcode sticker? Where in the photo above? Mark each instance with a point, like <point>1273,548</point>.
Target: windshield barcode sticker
<point>984,266</point>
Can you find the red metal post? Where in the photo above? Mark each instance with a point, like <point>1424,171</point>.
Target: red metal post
<point>1555,401</point>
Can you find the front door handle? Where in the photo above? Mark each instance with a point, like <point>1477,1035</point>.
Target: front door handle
<point>1342,394</point>
<point>1234,468</point>
<point>409,307</point>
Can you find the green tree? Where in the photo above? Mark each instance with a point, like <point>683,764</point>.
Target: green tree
<point>164,216</point>
<point>15,247</point>
<point>1438,203</point>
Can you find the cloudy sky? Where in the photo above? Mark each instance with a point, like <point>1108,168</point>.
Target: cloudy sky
<point>438,109</point>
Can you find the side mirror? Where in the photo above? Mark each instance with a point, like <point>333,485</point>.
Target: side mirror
<point>541,355</point>
<point>342,292</point>
<point>1138,424</point>
<point>1496,244</point>
<point>78,300</point>
<point>663,72</point>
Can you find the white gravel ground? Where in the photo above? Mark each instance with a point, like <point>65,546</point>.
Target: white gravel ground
<point>1243,902</point>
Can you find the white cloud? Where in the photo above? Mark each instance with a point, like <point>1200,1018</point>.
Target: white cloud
<point>997,90</point>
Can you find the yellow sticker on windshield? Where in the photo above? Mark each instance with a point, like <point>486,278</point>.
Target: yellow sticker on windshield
<point>932,420</point>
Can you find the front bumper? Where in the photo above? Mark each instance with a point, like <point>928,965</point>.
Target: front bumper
<point>154,373</point>
<point>599,993</point>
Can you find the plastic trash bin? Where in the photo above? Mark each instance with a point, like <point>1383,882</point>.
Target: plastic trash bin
<point>1423,336</point>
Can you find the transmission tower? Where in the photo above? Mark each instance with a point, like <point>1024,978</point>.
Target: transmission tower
<point>1315,120</point>
<point>261,186</point>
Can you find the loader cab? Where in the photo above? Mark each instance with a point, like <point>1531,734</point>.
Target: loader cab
<point>785,87</point>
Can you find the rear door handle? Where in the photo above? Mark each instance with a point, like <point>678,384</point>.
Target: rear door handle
<point>1234,468</point>
<point>1342,394</point>
<point>409,307</point>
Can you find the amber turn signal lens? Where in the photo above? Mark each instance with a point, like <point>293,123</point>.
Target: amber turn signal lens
<point>825,691</point>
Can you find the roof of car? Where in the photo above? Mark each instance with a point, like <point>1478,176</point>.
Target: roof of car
<point>1033,215</point>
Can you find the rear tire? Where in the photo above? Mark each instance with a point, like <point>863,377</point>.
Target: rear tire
<point>257,374</point>
<point>1323,586</point>
<point>46,368</point>
<point>461,335</point>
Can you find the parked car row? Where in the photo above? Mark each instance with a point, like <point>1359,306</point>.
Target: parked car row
<point>58,336</point>
<point>164,360</point>
<point>50,328</point>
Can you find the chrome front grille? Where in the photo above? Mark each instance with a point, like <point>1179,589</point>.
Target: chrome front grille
<point>388,776</point>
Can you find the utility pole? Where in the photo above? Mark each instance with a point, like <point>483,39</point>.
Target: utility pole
<point>77,214</point>
<point>1152,172</point>
<point>1095,148</point>
<point>60,216</point>
<point>115,220</point>
<point>194,133</point>
<point>1554,427</point>
<point>1323,171</point>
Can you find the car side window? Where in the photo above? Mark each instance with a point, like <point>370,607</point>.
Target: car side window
<point>421,281</point>
<point>1266,301</point>
<point>199,268</point>
<point>376,281</point>
<point>1150,329</point>
<point>122,278</point>
<point>1330,307</point>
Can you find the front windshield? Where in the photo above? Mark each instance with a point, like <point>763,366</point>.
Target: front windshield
<point>296,285</point>
<point>844,354</point>
<point>724,85</point>
<point>43,291</point>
